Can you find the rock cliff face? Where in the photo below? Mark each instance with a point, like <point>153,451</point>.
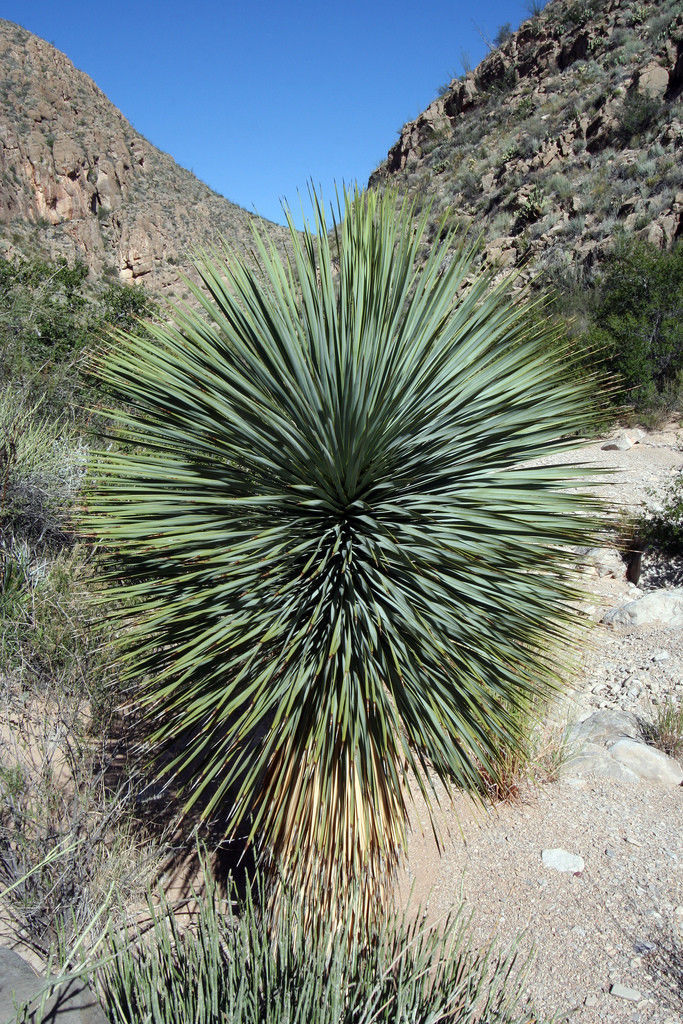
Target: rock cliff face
<point>566,132</point>
<point>77,180</point>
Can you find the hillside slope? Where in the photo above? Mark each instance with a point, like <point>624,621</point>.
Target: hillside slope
<point>77,180</point>
<point>568,130</point>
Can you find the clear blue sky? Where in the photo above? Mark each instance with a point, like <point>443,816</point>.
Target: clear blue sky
<point>258,98</point>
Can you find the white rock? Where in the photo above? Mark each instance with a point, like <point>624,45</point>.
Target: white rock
<point>624,992</point>
<point>647,762</point>
<point>620,444</point>
<point>561,860</point>
<point>660,606</point>
<point>605,561</point>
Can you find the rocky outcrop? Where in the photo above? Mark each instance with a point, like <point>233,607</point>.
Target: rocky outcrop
<point>77,180</point>
<point>549,137</point>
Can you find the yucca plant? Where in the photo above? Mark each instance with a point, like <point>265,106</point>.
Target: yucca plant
<point>347,578</point>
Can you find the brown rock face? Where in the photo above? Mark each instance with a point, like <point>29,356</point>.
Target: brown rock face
<point>77,180</point>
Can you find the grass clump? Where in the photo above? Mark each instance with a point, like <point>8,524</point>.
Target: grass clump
<point>228,966</point>
<point>664,727</point>
<point>42,466</point>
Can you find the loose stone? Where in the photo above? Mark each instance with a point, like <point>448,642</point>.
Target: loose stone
<point>561,860</point>
<point>624,992</point>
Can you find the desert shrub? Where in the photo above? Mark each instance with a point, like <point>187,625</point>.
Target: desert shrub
<point>561,186</point>
<point>510,152</point>
<point>535,7</point>
<point>230,967</point>
<point>41,309</point>
<point>531,205</point>
<point>503,34</point>
<point>46,635</point>
<point>42,466</point>
<point>662,528</point>
<point>524,108</point>
<point>578,13</point>
<point>51,315</point>
<point>469,183</point>
<point>638,112</point>
<point>638,14</point>
<point>638,322</point>
<point>55,796</point>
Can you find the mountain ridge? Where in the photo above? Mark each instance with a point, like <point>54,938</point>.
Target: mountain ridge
<point>567,132</point>
<point>77,180</point>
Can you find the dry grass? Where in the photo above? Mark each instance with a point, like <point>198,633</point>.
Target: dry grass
<point>664,726</point>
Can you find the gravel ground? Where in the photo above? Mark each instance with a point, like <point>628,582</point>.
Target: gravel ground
<point>619,920</point>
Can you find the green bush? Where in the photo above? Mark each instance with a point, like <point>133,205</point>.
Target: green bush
<point>41,307</point>
<point>51,313</point>
<point>638,323</point>
<point>663,529</point>
<point>228,967</point>
<point>638,112</point>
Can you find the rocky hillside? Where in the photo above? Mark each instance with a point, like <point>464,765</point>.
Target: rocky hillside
<point>568,130</point>
<point>77,180</point>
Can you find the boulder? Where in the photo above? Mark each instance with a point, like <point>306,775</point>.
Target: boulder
<point>661,607</point>
<point>597,762</point>
<point>622,443</point>
<point>646,762</point>
<point>608,743</point>
<point>604,727</point>
<point>653,81</point>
